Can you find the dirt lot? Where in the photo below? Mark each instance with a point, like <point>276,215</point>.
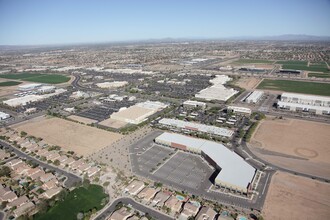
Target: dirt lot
<point>294,197</point>
<point>306,139</point>
<point>300,145</point>
<point>248,83</point>
<point>82,139</point>
<point>113,123</point>
<point>84,120</point>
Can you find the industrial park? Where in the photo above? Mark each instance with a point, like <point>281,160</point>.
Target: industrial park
<point>147,127</point>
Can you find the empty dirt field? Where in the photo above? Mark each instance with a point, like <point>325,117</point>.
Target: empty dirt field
<point>296,144</point>
<point>82,139</point>
<point>294,197</point>
<point>248,83</point>
<point>83,120</point>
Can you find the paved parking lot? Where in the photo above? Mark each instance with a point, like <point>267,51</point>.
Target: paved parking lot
<point>186,169</point>
<point>102,112</point>
<point>152,158</point>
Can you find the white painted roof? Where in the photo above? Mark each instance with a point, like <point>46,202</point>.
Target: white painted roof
<point>302,96</point>
<point>200,127</point>
<point>234,169</point>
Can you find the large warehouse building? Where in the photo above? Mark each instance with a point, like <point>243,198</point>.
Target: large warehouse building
<point>192,126</point>
<point>217,91</point>
<point>139,112</point>
<point>235,172</point>
<point>254,97</point>
<point>305,103</point>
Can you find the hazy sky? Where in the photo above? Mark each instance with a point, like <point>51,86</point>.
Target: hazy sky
<point>74,21</point>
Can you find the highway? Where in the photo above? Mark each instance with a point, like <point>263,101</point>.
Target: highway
<point>72,179</point>
<point>136,205</point>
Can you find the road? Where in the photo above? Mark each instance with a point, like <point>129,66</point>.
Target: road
<point>138,206</point>
<point>72,179</point>
<point>202,191</point>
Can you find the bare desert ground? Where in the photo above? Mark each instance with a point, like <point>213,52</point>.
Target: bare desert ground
<point>113,123</point>
<point>248,83</point>
<point>84,120</point>
<point>306,139</point>
<point>303,146</point>
<point>82,139</point>
<point>293,197</point>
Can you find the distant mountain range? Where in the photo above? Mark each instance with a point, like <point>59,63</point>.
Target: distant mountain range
<point>285,37</point>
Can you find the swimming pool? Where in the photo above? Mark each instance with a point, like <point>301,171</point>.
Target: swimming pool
<point>181,198</point>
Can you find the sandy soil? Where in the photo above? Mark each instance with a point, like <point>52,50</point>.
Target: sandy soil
<point>82,119</point>
<point>294,197</point>
<point>117,154</point>
<point>82,139</point>
<point>248,83</point>
<point>304,139</point>
<point>113,123</point>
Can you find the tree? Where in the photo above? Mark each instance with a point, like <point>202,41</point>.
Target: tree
<point>5,171</point>
<point>57,162</point>
<point>23,133</point>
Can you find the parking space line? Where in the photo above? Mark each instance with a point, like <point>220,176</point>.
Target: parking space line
<point>165,162</point>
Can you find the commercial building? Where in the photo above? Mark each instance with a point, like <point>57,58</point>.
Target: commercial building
<point>239,110</point>
<point>24,100</point>
<point>46,89</point>
<point>109,85</point>
<point>139,112</point>
<point>305,103</point>
<point>217,91</point>
<point>190,104</point>
<point>235,173</point>
<point>196,127</point>
<point>28,87</point>
<point>254,97</point>
<point>4,116</point>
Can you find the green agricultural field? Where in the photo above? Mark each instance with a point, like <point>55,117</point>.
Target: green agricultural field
<point>38,77</point>
<point>9,83</point>
<point>293,62</point>
<point>315,68</point>
<point>319,75</point>
<point>247,61</point>
<point>79,200</point>
<point>312,88</point>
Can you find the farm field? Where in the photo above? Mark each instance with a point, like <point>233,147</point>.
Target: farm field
<point>247,61</point>
<point>9,83</point>
<point>306,149</point>
<point>295,197</point>
<point>319,75</point>
<point>312,88</point>
<point>38,77</point>
<point>79,200</point>
<point>303,65</point>
<point>71,136</point>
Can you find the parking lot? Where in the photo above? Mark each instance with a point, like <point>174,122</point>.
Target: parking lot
<point>151,159</point>
<point>102,112</point>
<point>194,83</point>
<point>186,169</point>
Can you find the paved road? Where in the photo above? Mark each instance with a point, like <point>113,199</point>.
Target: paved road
<point>275,167</point>
<point>72,179</point>
<point>202,191</point>
<point>138,206</point>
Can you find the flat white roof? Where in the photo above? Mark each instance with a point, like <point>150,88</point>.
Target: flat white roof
<point>192,102</point>
<point>302,96</point>
<point>217,91</point>
<point>234,169</point>
<point>196,126</point>
<point>303,106</point>
<point>255,95</point>
<point>241,109</point>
